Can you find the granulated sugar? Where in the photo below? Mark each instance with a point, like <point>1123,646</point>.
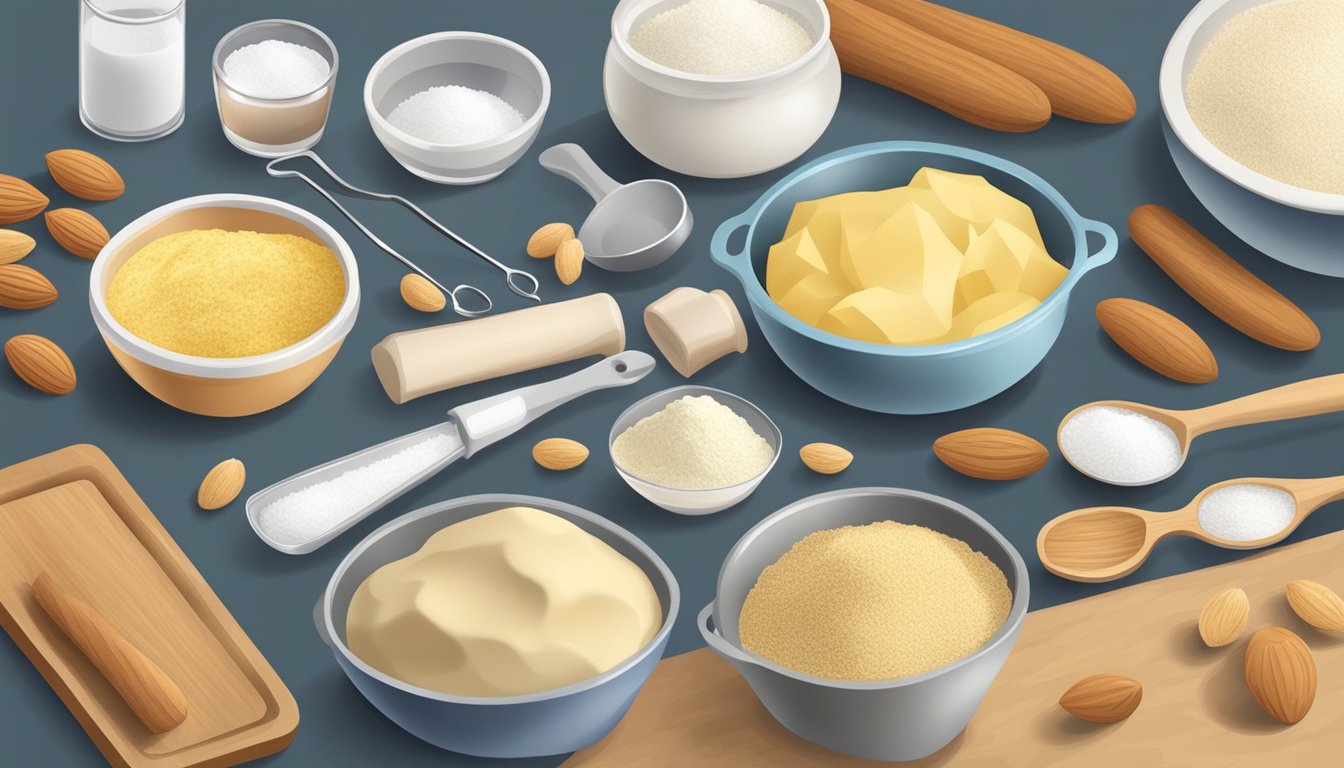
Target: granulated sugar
<point>453,114</point>
<point>1246,512</point>
<point>309,512</point>
<point>1120,446</point>
<point>275,69</point>
<point>874,602</point>
<point>694,443</point>
<point>1268,89</point>
<point>721,37</point>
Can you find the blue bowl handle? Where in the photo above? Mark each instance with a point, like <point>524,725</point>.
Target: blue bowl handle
<point>737,263</point>
<point>1109,245</point>
<point>717,642</point>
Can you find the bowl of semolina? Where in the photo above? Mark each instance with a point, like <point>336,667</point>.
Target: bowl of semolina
<point>225,305</point>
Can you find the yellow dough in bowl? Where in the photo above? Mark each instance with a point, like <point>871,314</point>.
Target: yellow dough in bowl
<point>507,603</point>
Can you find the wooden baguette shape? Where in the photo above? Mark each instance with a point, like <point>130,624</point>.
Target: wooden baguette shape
<point>1078,87</point>
<point>146,688</point>
<point>890,52</point>
<point>1158,339</point>
<point>1218,282</point>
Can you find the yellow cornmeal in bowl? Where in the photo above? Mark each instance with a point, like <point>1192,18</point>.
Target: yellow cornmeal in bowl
<point>215,293</point>
<point>874,602</point>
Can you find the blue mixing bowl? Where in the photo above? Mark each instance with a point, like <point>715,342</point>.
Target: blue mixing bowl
<point>909,379</point>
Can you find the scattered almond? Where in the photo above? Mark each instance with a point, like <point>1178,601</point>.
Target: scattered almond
<point>41,364</point>
<point>19,200</point>
<point>222,484</point>
<point>84,174</point>
<point>22,287</point>
<point>546,241</point>
<point>1102,698</point>
<point>559,453</point>
<point>1224,617</point>
<point>1316,604</point>
<point>569,261</point>
<point>1281,674</point>
<point>1158,339</point>
<point>14,245</point>
<point>77,231</point>
<point>991,454</point>
<point>420,294</point>
<point>825,458</point>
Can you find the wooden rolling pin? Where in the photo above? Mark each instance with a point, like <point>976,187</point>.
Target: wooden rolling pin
<point>1223,286</point>
<point>1077,87</point>
<point>888,51</point>
<point>146,688</point>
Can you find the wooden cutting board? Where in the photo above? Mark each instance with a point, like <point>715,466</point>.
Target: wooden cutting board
<point>1196,711</point>
<point>73,515</point>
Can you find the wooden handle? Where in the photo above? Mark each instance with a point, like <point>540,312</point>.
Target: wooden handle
<point>1078,87</point>
<point>1311,397</point>
<point>888,51</point>
<point>1314,493</point>
<point>149,692</point>
<point>1223,286</point>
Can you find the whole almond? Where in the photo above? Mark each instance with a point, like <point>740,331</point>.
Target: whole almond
<point>41,364</point>
<point>546,241</point>
<point>1158,340</point>
<point>84,175</point>
<point>559,453</point>
<point>1316,604</point>
<point>991,454</point>
<point>1224,617</point>
<point>422,295</point>
<point>77,231</point>
<point>569,261</point>
<point>19,200</point>
<point>22,287</point>
<point>1281,674</point>
<point>825,458</point>
<point>1102,698</point>
<point>14,245</point>
<point>222,484</point>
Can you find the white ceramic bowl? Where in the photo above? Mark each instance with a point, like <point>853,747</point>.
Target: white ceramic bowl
<point>470,59</point>
<point>1299,227</point>
<point>705,501</point>
<point>717,126</point>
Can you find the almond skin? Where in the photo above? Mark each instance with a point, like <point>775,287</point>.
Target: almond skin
<point>1281,674</point>
<point>559,453</point>
<point>825,458</point>
<point>14,245</point>
<point>1224,617</point>
<point>222,484</point>
<point>19,200</point>
<point>77,231</point>
<point>1102,698</point>
<point>422,295</point>
<point>546,241</point>
<point>22,287</point>
<point>1158,340</point>
<point>41,364</point>
<point>991,454</point>
<point>569,261</point>
<point>84,175</point>
<point>1316,604</point>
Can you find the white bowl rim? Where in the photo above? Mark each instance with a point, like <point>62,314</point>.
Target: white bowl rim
<point>529,125</point>
<point>1171,93</point>
<point>333,331</point>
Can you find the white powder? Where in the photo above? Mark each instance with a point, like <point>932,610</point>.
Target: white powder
<point>693,443</point>
<point>1268,89</point>
<point>453,114</point>
<point>721,37</point>
<point>1120,446</point>
<point>131,76</point>
<point>309,512</point>
<point>1246,512</point>
<point>275,69</point>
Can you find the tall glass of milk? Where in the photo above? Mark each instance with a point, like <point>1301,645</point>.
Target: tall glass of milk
<point>132,67</point>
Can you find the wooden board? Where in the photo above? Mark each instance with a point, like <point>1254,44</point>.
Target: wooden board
<point>1196,711</point>
<point>73,515</point>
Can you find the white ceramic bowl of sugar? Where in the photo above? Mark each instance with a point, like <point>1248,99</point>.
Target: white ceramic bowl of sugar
<point>698,501</point>
<point>472,60</point>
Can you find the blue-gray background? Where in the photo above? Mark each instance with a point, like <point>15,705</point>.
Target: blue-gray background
<point>1104,171</point>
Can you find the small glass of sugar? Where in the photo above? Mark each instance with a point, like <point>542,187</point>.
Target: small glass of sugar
<point>273,86</point>
<point>1246,511</point>
<point>1120,446</point>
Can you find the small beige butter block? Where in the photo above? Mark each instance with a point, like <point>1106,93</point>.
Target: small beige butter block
<point>693,328</point>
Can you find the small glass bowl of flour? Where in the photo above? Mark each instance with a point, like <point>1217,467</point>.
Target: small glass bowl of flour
<point>273,86</point>
<point>694,450</point>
